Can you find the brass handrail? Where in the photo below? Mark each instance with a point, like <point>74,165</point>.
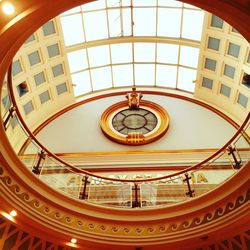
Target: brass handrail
<point>78,170</point>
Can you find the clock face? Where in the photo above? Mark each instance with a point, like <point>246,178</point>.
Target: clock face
<point>134,126</point>
<point>134,120</point>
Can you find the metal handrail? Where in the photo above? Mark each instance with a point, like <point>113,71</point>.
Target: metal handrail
<point>82,171</point>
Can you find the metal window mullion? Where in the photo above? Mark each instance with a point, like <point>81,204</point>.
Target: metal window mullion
<point>178,63</point>
<point>181,27</point>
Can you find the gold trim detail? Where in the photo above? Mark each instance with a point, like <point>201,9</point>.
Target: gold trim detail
<point>135,139</point>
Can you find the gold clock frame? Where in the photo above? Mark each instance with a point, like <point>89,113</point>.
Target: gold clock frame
<point>160,130</point>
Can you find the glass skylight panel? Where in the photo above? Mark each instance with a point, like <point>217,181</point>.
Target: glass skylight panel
<point>99,56</point>
<point>186,78</point>
<point>144,3</point>
<point>114,19</point>
<point>172,3</point>
<point>167,53</point>
<point>189,56</point>
<point>123,75</point>
<point>95,5</point>
<point>144,52</point>
<point>113,3</point>
<point>126,22</point>
<point>72,11</point>
<point>81,83</point>
<point>121,53</point>
<point>166,76</point>
<point>169,22</point>
<point>72,29</point>
<point>192,24</point>
<point>144,74</point>
<point>144,21</point>
<point>95,24</point>
<point>101,78</point>
<point>77,60</point>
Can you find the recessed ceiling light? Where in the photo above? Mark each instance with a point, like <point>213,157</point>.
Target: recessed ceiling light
<point>73,240</point>
<point>13,213</point>
<point>8,8</point>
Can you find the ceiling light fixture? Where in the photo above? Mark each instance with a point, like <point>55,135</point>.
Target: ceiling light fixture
<point>73,240</point>
<point>8,8</point>
<point>13,213</point>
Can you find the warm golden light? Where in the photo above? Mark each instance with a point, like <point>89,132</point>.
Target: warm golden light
<point>73,240</point>
<point>13,213</point>
<point>8,8</point>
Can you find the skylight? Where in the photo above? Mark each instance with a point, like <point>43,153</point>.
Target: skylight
<point>117,43</point>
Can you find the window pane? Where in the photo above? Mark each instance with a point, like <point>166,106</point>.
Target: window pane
<point>169,22</point>
<point>48,28</point>
<point>123,75</point>
<point>81,83</point>
<point>167,53</point>
<point>210,64</point>
<point>53,50</point>
<point>101,78</point>
<point>95,24</point>
<point>242,100</point>
<point>144,74</point>
<point>114,18</point>
<point>95,5</point>
<point>166,76</point>
<point>28,107</point>
<point>189,56</point>
<point>207,83</point>
<point>186,78</point>
<point>172,3</point>
<point>30,39</point>
<point>144,52</point>
<point>34,58</point>
<point>44,97</point>
<point>99,56</point>
<point>213,43</point>
<point>194,19</point>
<point>225,90</point>
<point>57,70</point>
<point>16,67</point>
<point>61,88</point>
<point>39,78</point>
<point>77,60</point>
<point>229,71</point>
<point>233,50</point>
<point>216,22</point>
<point>75,35</point>
<point>144,21</point>
<point>121,53</point>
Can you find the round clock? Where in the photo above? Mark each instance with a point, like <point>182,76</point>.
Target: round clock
<point>138,125</point>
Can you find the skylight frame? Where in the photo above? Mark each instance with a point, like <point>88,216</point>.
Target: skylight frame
<point>127,35</point>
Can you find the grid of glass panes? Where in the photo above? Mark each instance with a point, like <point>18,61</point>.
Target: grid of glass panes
<point>138,63</point>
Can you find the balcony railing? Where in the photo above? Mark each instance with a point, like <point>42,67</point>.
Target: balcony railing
<point>143,189</point>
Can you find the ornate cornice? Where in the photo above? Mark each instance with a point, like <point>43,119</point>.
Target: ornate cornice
<point>148,230</point>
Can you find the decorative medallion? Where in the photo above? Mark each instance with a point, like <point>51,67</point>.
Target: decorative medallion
<point>134,121</point>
